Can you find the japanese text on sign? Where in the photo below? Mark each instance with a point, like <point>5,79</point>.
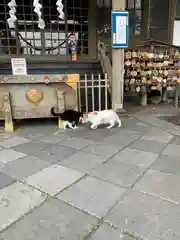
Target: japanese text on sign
<point>19,66</point>
<point>120,29</point>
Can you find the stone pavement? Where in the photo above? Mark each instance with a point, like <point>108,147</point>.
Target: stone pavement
<point>91,184</point>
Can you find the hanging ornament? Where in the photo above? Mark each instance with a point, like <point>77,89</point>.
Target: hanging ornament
<point>37,9</point>
<point>60,10</point>
<point>11,21</point>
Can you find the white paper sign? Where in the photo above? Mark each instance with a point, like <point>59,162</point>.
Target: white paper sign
<point>176,35</point>
<point>19,66</point>
<point>120,29</point>
<point>121,22</point>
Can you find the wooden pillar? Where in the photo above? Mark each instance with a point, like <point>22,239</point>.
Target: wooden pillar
<point>60,103</point>
<point>172,17</point>
<point>92,37</point>
<point>118,67</point>
<point>145,20</point>
<point>8,118</point>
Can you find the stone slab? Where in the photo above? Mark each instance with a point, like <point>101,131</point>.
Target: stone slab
<point>77,143</point>
<point>148,146</point>
<point>123,138</point>
<point>53,179</point>
<point>14,141</point>
<point>55,153</point>
<point>135,157</point>
<point>5,180</point>
<point>9,155</point>
<point>83,162</point>
<point>24,167</point>
<point>158,135</point>
<point>146,216</point>
<point>106,232</point>
<point>167,164</point>
<point>32,147</point>
<point>102,149</point>
<point>17,200</point>
<point>124,175</point>
<point>172,150</point>
<point>93,196</point>
<point>54,220</point>
<point>54,138</point>
<point>161,185</point>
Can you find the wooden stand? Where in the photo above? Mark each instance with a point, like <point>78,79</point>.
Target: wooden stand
<point>9,127</point>
<point>60,103</point>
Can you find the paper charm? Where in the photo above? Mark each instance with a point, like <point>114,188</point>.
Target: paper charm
<point>60,10</point>
<point>12,20</point>
<point>37,9</point>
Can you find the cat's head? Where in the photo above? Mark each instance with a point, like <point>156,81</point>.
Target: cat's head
<point>87,116</point>
<point>84,118</point>
<point>81,116</point>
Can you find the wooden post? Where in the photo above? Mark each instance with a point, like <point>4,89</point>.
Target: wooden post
<point>8,119</point>
<point>118,67</point>
<point>60,103</point>
<point>145,21</point>
<point>172,17</point>
<point>92,38</point>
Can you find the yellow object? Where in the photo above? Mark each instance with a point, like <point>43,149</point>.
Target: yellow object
<point>19,78</point>
<point>178,80</point>
<point>60,123</point>
<point>34,96</point>
<point>9,127</point>
<point>72,81</point>
<point>46,78</point>
<point>114,107</point>
<point>33,78</point>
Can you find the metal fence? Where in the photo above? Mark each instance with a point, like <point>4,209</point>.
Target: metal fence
<point>93,94</point>
<point>28,38</point>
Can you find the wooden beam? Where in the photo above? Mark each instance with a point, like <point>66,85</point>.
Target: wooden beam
<point>92,38</point>
<point>118,67</point>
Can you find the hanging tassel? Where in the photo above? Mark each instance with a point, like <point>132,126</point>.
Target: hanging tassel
<point>37,9</point>
<point>60,10</point>
<point>12,20</point>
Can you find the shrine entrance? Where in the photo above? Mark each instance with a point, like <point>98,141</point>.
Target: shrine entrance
<point>45,28</point>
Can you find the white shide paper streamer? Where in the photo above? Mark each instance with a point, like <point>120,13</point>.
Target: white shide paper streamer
<point>11,21</point>
<point>60,7</point>
<point>37,9</point>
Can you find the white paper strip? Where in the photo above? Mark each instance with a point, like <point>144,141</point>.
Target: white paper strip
<point>60,10</point>
<point>37,9</point>
<point>11,21</point>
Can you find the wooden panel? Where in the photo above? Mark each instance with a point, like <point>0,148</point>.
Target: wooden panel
<point>92,39</point>
<point>35,100</point>
<point>159,20</point>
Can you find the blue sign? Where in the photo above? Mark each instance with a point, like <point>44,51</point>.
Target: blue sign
<point>120,29</point>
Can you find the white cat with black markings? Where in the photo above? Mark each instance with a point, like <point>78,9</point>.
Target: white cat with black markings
<point>102,117</point>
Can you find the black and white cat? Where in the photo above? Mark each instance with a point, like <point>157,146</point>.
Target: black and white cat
<point>69,117</point>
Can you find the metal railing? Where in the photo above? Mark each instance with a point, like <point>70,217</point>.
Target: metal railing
<point>93,93</point>
<point>105,62</point>
<point>27,39</point>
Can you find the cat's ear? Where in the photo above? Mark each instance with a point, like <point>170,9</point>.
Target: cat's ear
<point>85,115</point>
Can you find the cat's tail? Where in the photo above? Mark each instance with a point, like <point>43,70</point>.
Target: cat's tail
<point>118,120</point>
<point>55,114</point>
